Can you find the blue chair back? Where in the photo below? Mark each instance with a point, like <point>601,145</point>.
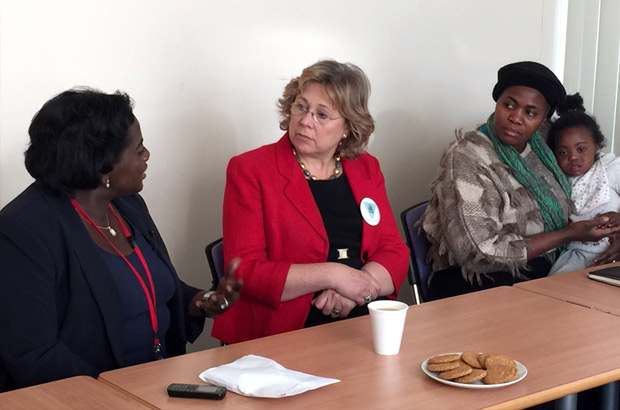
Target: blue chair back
<point>418,244</point>
<point>215,258</point>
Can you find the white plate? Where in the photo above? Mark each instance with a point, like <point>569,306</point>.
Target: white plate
<point>522,372</point>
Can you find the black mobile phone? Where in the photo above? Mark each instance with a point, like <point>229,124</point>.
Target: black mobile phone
<point>197,391</point>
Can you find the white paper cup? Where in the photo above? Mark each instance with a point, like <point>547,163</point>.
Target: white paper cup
<point>387,319</point>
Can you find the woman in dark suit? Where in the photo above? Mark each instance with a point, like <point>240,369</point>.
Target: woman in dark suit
<point>86,283</point>
<point>309,214</point>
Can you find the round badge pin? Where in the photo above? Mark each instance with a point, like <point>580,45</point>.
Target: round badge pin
<point>370,211</point>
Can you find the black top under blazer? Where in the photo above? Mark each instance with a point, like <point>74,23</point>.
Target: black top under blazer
<point>60,313</point>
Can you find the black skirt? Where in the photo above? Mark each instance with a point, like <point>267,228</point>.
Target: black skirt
<point>450,282</point>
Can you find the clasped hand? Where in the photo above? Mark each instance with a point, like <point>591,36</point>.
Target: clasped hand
<point>351,289</point>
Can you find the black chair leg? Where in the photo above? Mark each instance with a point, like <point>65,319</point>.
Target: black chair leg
<point>610,395</point>
<point>566,403</point>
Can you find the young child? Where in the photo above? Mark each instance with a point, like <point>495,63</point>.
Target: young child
<point>576,139</point>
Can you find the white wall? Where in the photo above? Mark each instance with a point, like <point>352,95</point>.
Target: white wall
<point>206,74</point>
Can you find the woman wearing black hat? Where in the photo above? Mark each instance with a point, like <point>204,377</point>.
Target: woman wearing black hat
<point>500,205</point>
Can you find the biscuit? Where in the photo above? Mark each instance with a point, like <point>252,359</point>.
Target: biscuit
<point>444,358</point>
<point>471,359</point>
<point>500,374</point>
<point>476,374</point>
<point>499,360</point>
<point>482,357</point>
<point>462,370</point>
<point>442,367</point>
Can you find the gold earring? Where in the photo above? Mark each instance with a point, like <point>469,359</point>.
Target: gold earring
<point>344,136</point>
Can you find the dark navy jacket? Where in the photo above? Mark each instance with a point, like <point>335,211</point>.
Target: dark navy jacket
<point>60,313</point>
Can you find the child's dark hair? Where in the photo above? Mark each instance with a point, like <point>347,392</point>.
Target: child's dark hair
<point>573,114</point>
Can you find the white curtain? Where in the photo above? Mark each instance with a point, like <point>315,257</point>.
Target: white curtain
<point>592,62</point>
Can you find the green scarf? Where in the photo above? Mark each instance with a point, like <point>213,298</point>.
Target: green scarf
<point>550,208</point>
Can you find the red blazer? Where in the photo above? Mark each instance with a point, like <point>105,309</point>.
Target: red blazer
<point>270,220</point>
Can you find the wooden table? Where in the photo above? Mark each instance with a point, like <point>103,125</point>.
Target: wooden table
<point>80,392</point>
<point>565,348</point>
<point>576,287</point>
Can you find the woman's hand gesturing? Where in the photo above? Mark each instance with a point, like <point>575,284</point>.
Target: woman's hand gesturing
<point>218,302</point>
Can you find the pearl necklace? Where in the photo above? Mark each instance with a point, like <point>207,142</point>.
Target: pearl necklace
<point>337,170</point>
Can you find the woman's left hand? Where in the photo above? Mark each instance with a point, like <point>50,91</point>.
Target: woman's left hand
<point>227,293</point>
<point>611,254</point>
<point>333,304</point>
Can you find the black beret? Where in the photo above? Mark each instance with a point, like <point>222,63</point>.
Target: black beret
<point>533,75</point>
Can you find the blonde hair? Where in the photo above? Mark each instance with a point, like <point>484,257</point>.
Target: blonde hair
<point>349,88</point>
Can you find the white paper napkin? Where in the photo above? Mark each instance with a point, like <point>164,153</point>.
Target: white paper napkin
<point>258,376</point>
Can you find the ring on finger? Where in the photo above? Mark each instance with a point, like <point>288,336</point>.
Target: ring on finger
<point>368,298</point>
<point>224,305</point>
<point>335,313</point>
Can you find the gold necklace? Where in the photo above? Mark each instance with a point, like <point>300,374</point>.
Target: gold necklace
<point>337,170</point>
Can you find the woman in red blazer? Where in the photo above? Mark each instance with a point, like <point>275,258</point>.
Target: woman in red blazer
<point>309,215</point>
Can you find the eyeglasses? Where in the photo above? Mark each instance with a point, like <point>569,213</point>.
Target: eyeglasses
<point>319,117</point>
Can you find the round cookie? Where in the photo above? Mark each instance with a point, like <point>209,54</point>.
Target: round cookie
<point>462,370</point>
<point>471,358</point>
<point>482,357</point>
<point>444,358</point>
<point>476,374</point>
<point>442,367</point>
<point>499,360</point>
<point>500,374</point>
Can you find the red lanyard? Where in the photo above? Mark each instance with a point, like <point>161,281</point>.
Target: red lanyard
<point>150,295</point>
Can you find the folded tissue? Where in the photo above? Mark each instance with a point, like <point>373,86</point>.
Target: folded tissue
<point>257,376</point>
